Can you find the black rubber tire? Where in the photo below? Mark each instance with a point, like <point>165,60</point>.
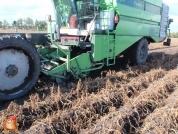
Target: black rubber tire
<point>138,53</point>
<point>167,43</point>
<point>30,51</point>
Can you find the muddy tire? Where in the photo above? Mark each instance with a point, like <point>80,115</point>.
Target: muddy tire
<point>19,67</point>
<point>138,54</point>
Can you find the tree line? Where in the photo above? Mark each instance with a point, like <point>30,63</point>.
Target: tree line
<point>26,24</point>
<point>29,24</point>
<point>174,34</point>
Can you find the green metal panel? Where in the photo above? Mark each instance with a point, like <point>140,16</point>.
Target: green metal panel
<point>50,52</point>
<point>151,30</point>
<point>137,29</point>
<point>139,4</point>
<point>137,13</point>
<point>77,65</point>
<point>101,48</point>
<point>124,42</point>
<point>56,71</point>
<point>125,10</point>
<point>155,2</point>
<point>135,21</point>
<point>129,28</point>
<point>151,17</point>
<point>82,61</point>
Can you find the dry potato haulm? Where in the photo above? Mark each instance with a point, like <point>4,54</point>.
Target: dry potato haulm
<point>144,93</point>
<point>73,79</point>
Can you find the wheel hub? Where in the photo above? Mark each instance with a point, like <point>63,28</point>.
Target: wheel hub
<point>11,71</point>
<point>14,69</point>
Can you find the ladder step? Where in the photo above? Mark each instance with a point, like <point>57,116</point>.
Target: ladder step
<point>111,64</point>
<point>114,61</point>
<point>111,60</point>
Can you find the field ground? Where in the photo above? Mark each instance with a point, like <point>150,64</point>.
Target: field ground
<point>138,100</point>
<point>19,31</point>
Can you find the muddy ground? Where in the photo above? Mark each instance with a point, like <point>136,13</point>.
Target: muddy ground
<point>118,99</point>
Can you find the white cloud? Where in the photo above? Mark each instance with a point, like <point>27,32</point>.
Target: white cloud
<point>170,1</point>
<point>174,25</point>
<point>15,9</point>
<point>173,4</point>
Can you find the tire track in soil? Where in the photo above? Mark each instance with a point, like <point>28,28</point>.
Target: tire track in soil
<point>64,101</point>
<point>131,116</point>
<point>97,105</point>
<point>163,119</point>
<point>37,106</point>
<point>48,106</point>
<point>168,50</point>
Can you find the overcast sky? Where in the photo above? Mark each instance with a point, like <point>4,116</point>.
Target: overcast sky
<point>38,9</point>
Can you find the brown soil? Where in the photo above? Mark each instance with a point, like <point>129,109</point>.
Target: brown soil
<point>140,99</point>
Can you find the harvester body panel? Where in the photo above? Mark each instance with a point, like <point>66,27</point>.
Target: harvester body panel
<point>100,35</point>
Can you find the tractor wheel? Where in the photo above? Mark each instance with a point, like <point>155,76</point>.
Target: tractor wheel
<point>19,67</point>
<point>139,52</point>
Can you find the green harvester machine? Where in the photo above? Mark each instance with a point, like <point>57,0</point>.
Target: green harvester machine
<point>85,36</point>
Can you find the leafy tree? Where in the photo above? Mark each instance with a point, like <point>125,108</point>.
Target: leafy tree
<point>42,25</point>
<point>0,24</point>
<point>29,23</point>
<point>174,34</point>
<point>26,23</point>
<point>37,23</point>
<point>20,23</point>
<point>5,24</point>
